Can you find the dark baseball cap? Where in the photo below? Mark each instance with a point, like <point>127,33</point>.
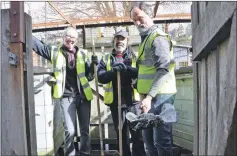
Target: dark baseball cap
<point>121,33</point>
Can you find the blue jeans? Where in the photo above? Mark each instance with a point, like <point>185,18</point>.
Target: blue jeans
<point>158,140</point>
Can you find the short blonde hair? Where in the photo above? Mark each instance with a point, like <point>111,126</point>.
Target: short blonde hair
<point>71,32</point>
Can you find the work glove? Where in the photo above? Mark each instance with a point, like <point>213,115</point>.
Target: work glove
<point>94,59</point>
<point>128,62</point>
<point>119,66</point>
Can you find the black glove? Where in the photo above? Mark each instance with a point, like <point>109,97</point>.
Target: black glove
<point>94,59</point>
<point>128,62</point>
<point>119,67</point>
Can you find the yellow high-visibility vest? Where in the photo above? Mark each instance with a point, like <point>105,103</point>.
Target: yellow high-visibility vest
<point>108,94</point>
<point>59,66</point>
<point>147,70</point>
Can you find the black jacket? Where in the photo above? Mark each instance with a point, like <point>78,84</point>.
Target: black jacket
<point>105,77</point>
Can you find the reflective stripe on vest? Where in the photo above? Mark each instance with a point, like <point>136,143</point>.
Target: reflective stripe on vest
<point>147,70</point>
<point>108,94</point>
<point>81,59</point>
<point>59,67</point>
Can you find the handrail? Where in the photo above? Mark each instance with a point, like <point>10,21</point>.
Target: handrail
<point>42,70</point>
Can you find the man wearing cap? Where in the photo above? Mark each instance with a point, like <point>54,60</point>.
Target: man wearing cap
<point>123,60</point>
<point>156,79</point>
<point>72,71</point>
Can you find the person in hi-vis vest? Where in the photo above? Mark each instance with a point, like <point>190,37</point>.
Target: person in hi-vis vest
<point>70,87</point>
<point>123,60</point>
<point>156,79</point>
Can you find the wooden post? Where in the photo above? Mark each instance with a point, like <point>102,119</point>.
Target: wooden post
<point>18,117</point>
<point>98,99</point>
<point>29,89</point>
<point>119,114</point>
<point>166,27</point>
<point>84,37</point>
<point>196,108</point>
<point>12,81</point>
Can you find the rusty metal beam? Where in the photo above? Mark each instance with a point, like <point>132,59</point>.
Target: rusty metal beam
<point>17,22</point>
<point>89,21</point>
<point>61,13</point>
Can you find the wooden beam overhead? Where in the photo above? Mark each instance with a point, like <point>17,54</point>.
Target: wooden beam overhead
<point>61,13</point>
<point>156,8</point>
<point>107,19</point>
<point>96,25</point>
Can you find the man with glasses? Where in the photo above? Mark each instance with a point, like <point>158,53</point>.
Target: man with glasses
<point>72,71</point>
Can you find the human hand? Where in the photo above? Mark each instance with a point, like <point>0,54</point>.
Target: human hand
<point>146,104</point>
<point>128,62</point>
<point>119,67</point>
<point>94,59</point>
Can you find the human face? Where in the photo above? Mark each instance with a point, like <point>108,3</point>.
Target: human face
<point>120,44</point>
<point>141,20</point>
<point>69,42</point>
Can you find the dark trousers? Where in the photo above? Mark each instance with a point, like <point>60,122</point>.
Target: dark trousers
<point>158,140</point>
<point>137,143</point>
<point>71,107</point>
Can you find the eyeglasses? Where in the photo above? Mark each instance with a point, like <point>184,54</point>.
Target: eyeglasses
<point>69,40</point>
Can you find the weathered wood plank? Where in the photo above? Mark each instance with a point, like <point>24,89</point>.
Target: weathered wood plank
<point>184,80</point>
<point>186,122</point>
<point>183,143</point>
<point>29,89</point>
<point>185,114</point>
<point>181,104</point>
<point>196,108</point>
<point>184,93</point>
<point>232,138</point>
<point>194,15</point>
<point>1,81</point>
<point>202,10</point>
<point>227,60</point>
<point>215,93</point>
<point>232,98</point>
<point>183,135</point>
<point>202,109</point>
<point>212,28</point>
<point>231,142</point>
<point>12,98</point>
<point>184,128</point>
<point>212,96</point>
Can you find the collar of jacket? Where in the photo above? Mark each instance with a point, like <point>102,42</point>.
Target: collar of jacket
<point>151,29</point>
<point>65,51</point>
